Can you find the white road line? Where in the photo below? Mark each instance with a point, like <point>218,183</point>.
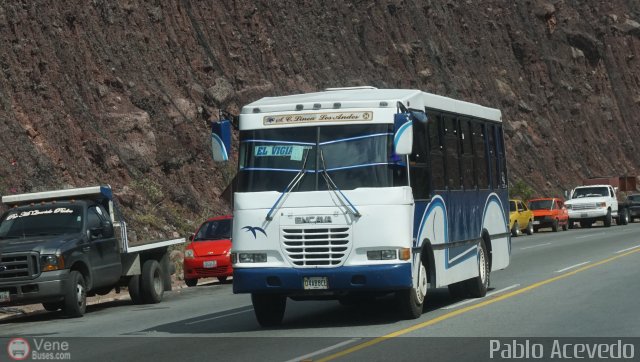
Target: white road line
<point>324,350</point>
<point>534,246</point>
<point>220,316</point>
<point>477,299</point>
<point>573,266</point>
<point>627,249</point>
<point>588,236</point>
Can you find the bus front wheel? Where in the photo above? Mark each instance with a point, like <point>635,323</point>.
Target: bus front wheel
<point>410,301</point>
<point>269,308</point>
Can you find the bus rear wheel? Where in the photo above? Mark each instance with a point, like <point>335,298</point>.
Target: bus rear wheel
<point>269,308</point>
<point>477,287</point>
<point>410,301</point>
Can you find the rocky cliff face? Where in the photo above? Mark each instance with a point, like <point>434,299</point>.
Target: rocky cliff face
<point>121,92</point>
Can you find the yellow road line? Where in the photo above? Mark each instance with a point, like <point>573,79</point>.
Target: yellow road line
<point>469,308</point>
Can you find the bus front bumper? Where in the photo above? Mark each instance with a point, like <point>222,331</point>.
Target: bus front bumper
<point>387,277</point>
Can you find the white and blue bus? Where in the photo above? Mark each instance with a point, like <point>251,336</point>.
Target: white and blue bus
<point>355,193</point>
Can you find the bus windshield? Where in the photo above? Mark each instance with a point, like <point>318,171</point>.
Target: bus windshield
<point>354,156</point>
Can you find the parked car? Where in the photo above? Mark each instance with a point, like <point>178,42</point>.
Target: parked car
<point>549,212</point>
<point>208,254</point>
<point>520,218</point>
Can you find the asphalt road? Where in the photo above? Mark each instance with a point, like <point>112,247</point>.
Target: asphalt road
<point>578,283</point>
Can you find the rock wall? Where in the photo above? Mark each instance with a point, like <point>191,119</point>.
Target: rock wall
<point>121,92</point>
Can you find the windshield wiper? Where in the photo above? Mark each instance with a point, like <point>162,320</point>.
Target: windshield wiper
<point>332,186</point>
<point>296,179</point>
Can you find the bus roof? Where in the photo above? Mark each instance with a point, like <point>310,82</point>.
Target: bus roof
<point>368,97</point>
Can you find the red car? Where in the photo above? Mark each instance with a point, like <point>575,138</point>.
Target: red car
<point>208,254</point>
<point>549,212</point>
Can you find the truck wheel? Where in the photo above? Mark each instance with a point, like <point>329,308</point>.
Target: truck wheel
<point>191,282</point>
<point>554,227</point>
<point>269,308</point>
<point>477,287</point>
<point>515,231</point>
<point>152,283</point>
<point>607,219</point>
<point>134,290</point>
<point>529,229</point>
<point>623,219</point>
<point>52,307</point>
<point>410,301</point>
<point>75,299</point>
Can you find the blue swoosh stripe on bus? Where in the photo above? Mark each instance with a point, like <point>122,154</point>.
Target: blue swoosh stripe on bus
<point>400,132</point>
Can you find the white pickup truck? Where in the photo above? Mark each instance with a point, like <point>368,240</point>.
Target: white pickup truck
<point>592,203</point>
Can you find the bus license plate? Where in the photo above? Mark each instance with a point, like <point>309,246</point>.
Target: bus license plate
<point>4,296</point>
<point>316,282</point>
<point>536,222</point>
<point>209,264</point>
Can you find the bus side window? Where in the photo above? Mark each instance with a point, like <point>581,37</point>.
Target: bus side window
<point>418,161</point>
<point>468,177</point>
<point>493,157</point>
<point>479,153</point>
<point>502,159</point>
<point>436,157</point>
<point>451,149</point>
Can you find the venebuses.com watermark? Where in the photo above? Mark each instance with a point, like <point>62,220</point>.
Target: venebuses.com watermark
<point>20,349</point>
<point>559,349</point>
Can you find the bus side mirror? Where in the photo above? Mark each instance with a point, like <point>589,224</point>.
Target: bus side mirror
<point>403,134</point>
<point>220,140</point>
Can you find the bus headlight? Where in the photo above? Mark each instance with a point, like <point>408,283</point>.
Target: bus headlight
<point>51,262</point>
<point>389,254</point>
<point>252,257</point>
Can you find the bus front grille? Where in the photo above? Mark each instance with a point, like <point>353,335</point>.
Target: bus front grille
<point>316,247</point>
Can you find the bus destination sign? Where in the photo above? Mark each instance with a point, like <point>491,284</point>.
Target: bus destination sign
<point>317,117</point>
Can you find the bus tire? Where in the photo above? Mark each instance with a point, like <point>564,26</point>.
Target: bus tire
<point>477,287</point>
<point>134,290</point>
<point>151,282</point>
<point>410,301</point>
<point>269,308</point>
<point>75,300</point>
